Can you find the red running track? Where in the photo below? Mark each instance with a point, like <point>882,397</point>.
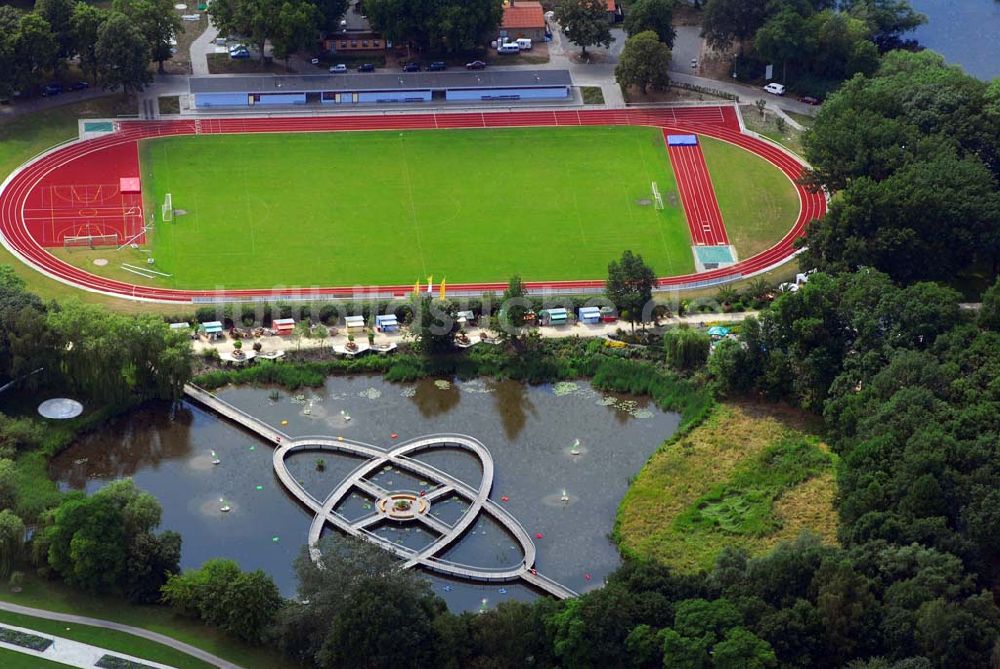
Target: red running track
<point>718,122</point>
<point>697,194</point>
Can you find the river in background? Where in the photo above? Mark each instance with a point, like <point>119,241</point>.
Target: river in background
<point>530,431</point>
<point>965,32</point>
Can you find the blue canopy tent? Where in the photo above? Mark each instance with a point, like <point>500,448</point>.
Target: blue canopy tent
<point>554,316</point>
<point>718,331</point>
<point>386,323</point>
<point>589,315</point>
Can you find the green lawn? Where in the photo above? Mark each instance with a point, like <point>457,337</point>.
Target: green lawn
<point>53,596</point>
<point>11,659</point>
<point>758,202</point>
<point>109,640</point>
<point>391,207</point>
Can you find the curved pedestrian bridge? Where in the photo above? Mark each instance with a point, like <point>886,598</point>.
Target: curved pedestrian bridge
<point>399,506</point>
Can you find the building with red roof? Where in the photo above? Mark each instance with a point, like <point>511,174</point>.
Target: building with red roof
<point>523,18</point>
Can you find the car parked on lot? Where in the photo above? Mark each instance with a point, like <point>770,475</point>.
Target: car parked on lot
<point>339,68</point>
<point>238,54</point>
<point>775,88</point>
<point>412,67</point>
<point>79,85</point>
<point>366,67</point>
<point>437,66</point>
<point>475,65</point>
<point>809,100</point>
<point>52,89</point>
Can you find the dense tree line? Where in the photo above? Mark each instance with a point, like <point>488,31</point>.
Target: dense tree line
<point>114,46</point>
<point>814,44</point>
<point>914,152</point>
<point>451,26</point>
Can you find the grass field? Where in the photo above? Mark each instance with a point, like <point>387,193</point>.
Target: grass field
<point>758,202</point>
<point>390,207</point>
<point>751,476</point>
<point>11,659</point>
<point>109,640</point>
<point>53,596</point>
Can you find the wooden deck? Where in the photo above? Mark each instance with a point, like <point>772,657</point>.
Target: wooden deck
<point>442,485</point>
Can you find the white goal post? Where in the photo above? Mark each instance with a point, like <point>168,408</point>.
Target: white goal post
<point>90,241</point>
<point>657,198</point>
<point>168,209</point>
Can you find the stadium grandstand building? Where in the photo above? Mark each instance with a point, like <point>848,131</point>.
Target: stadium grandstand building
<point>379,88</point>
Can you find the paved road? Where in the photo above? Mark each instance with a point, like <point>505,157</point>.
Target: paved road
<point>32,105</point>
<point>128,629</point>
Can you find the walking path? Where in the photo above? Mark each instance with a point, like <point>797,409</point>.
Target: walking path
<point>276,343</point>
<point>128,629</point>
<point>72,653</point>
<point>203,45</point>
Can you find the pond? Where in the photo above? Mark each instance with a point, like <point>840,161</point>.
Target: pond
<point>563,458</point>
<point>964,32</point>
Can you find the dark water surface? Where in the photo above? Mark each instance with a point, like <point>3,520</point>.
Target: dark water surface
<point>530,432</point>
<point>965,32</point>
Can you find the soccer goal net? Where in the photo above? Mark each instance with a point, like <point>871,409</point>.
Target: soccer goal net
<point>168,209</point>
<point>90,241</point>
<point>657,198</point>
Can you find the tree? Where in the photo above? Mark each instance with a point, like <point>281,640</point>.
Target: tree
<point>434,323</point>
<point>655,15</point>
<point>686,349</point>
<point>896,225</point>
<point>586,22</point>
<point>296,29</point>
<point>514,308</point>
<point>328,13</point>
<point>347,572</point>
<point>742,649</point>
<point>448,25</point>
<point>58,14</point>
<point>10,18</point>
<point>12,534</point>
<point>785,36</point>
<point>35,49</point>
<point>726,21</point>
<point>630,287</point>
<point>8,483</point>
<point>122,55</point>
<point>158,21</point>
<point>251,602</point>
<point>886,19</point>
<point>105,542</point>
<point>989,313</point>
<point>85,22</point>
<point>645,62</point>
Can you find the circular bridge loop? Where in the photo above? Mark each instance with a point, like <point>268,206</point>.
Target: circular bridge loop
<point>440,486</point>
<point>717,121</point>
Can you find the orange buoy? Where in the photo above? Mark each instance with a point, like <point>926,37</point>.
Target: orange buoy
<point>505,499</point>
<point>586,577</point>
<point>394,435</point>
<point>539,535</point>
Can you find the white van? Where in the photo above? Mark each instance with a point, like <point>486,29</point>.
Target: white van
<point>524,44</point>
<point>509,47</point>
<point>775,88</point>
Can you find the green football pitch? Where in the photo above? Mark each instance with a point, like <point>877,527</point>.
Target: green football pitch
<point>360,208</point>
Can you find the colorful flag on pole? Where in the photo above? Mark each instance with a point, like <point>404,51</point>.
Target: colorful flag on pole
<point>442,289</point>
<point>430,285</point>
<point>416,287</point>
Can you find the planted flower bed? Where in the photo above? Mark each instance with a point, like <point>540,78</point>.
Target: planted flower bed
<point>112,662</point>
<point>23,639</point>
